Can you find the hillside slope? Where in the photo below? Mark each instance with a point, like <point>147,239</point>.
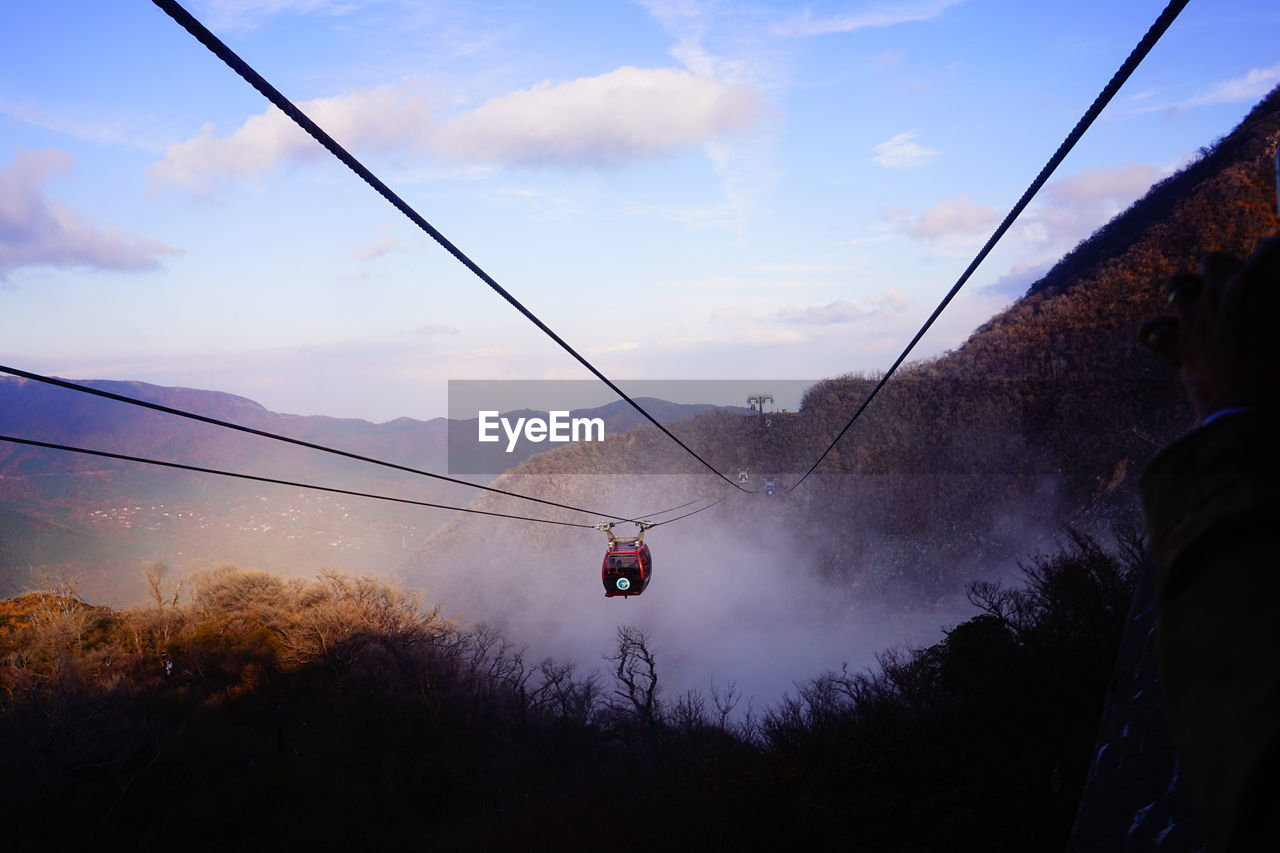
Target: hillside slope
<point>98,518</point>
<point>1044,417</point>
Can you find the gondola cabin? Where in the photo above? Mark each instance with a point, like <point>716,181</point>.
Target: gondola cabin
<point>627,568</point>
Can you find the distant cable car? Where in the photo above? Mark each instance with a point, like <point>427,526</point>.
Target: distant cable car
<point>628,565</point>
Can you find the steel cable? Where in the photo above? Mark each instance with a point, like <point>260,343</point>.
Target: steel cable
<point>1144,46</point>
<point>127,458</point>
<point>188,22</point>
<point>695,512</point>
<point>146,404</point>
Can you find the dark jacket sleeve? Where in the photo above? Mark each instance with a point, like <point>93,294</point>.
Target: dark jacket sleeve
<point>1212,502</point>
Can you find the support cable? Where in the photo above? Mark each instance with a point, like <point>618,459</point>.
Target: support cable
<point>1139,53</point>
<point>146,404</point>
<point>107,455</point>
<point>695,512</point>
<point>672,509</point>
<point>188,22</point>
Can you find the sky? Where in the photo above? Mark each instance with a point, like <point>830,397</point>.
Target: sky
<point>682,189</point>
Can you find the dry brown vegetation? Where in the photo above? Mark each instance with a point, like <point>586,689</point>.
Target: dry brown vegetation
<point>252,712</point>
<point>337,714</point>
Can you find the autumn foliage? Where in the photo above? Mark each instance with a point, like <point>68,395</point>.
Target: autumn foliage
<point>337,714</point>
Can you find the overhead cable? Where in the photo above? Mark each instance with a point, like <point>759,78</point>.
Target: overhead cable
<point>1144,46</point>
<point>695,512</point>
<point>256,478</point>
<point>674,508</point>
<point>146,404</point>
<point>257,81</point>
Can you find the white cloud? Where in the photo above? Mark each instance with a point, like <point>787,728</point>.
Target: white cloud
<point>1249,87</point>
<point>955,219</point>
<point>546,205</point>
<point>36,231</point>
<point>1071,209</point>
<point>691,23</point>
<point>728,341</point>
<point>625,346</point>
<point>1103,184</point>
<point>487,353</point>
<point>882,14</point>
<point>92,128</point>
<point>864,241</point>
<point>726,42</point>
<point>839,311</point>
<point>842,310</point>
<point>902,152</point>
<point>720,214</point>
<point>748,283</point>
<point>387,118</point>
<point>435,329</point>
<point>1019,278</point>
<point>243,14</point>
<point>889,59</point>
<point>624,115</point>
<point>1066,211</point>
<point>800,269</point>
<point>377,248</point>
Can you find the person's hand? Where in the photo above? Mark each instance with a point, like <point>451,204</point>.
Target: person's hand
<point>1224,335</point>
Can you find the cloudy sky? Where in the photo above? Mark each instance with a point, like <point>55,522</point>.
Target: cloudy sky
<point>681,188</point>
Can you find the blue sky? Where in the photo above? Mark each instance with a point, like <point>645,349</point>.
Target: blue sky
<point>683,190</point>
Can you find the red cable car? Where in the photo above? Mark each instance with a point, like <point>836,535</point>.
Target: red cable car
<point>628,565</point>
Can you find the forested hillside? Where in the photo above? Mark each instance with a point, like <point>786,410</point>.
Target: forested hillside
<point>242,710</point>
<point>253,713</point>
<point>1043,417</point>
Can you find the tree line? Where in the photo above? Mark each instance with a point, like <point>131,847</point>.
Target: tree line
<point>247,710</point>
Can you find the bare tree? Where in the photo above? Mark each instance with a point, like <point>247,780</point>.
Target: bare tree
<point>61,616</point>
<point>164,590</point>
<point>564,696</point>
<point>635,671</point>
<point>725,699</point>
<point>690,711</point>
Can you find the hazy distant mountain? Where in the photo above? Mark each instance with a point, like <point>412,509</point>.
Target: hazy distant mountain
<point>75,510</point>
<point>32,409</point>
<point>35,410</point>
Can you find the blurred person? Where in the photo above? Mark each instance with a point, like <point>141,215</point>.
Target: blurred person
<point>1212,503</point>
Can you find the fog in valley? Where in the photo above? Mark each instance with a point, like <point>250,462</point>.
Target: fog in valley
<point>736,597</point>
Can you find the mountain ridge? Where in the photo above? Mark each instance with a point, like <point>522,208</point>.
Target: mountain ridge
<point>1043,417</point>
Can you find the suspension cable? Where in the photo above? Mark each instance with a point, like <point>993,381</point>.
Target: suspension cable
<point>257,81</point>
<point>695,512</point>
<point>1130,64</point>
<point>673,509</point>
<point>107,455</point>
<point>182,413</point>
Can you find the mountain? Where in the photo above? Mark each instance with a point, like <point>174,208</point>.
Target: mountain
<point>101,518</point>
<point>118,514</point>
<point>1044,417</point>
<point>141,723</point>
<point>64,416</point>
